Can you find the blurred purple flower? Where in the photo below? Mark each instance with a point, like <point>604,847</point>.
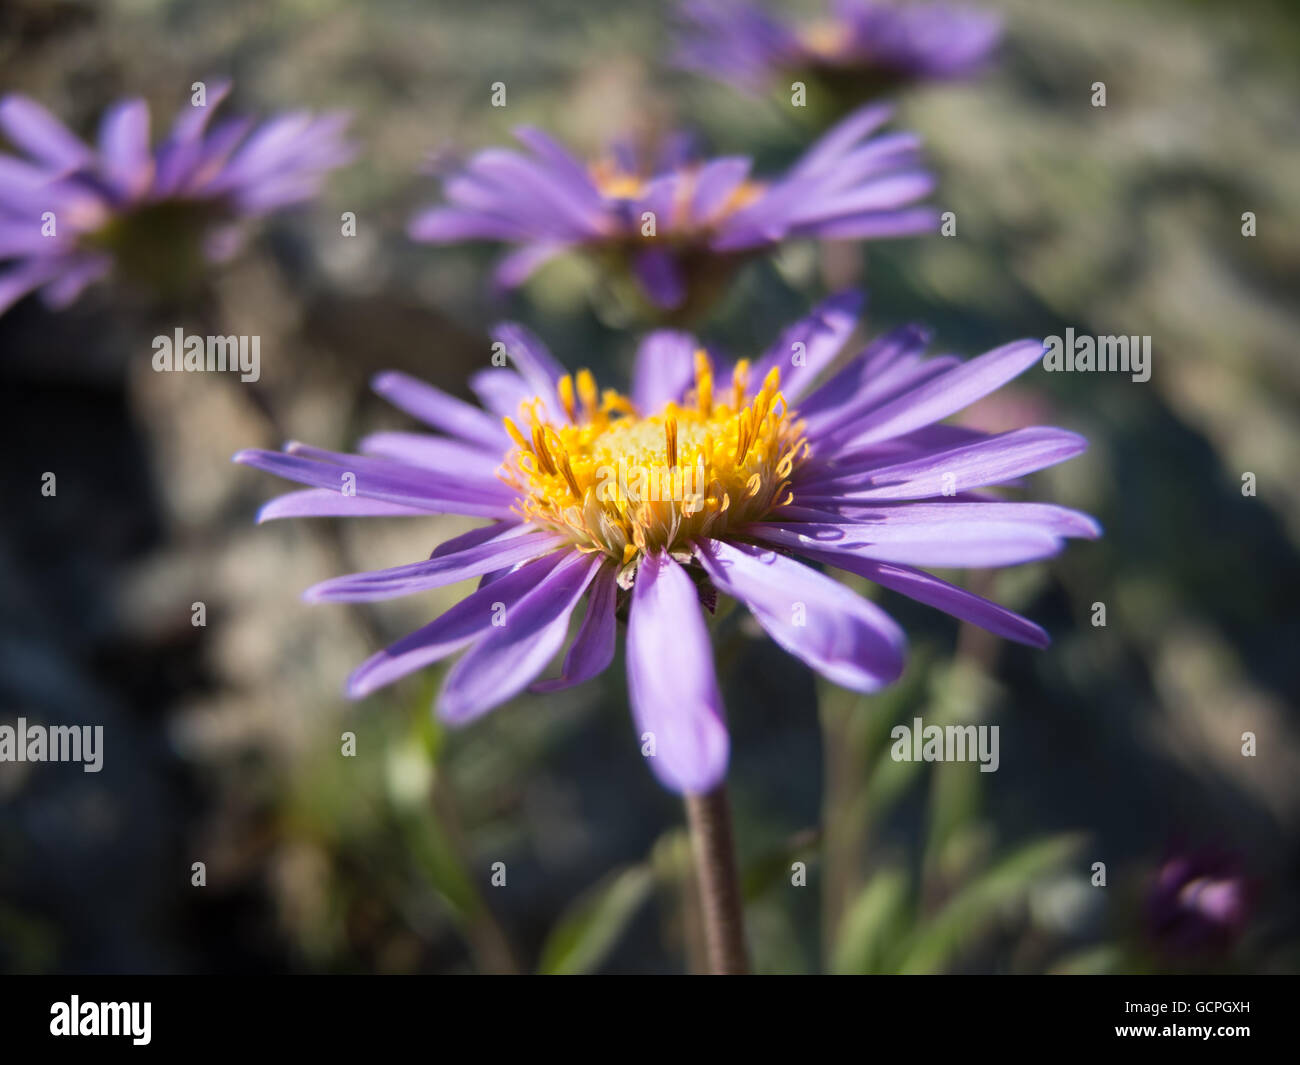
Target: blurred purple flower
<point>1198,903</point>
<point>646,506</point>
<point>876,45</point>
<point>707,215</point>
<point>70,214</point>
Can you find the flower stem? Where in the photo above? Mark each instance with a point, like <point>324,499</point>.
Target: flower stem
<point>716,872</point>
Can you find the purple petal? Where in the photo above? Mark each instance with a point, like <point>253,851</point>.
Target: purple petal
<point>434,407</point>
<point>500,391</point>
<point>656,270</point>
<point>200,166</point>
<point>517,267</point>
<point>889,151</point>
<point>432,452</point>
<point>593,648</point>
<point>267,148</point>
<point>17,281</point>
<point>835,407</point>
<point>191,121</point>
<point>125,159</point>
<point>536,365</point>
<point>665,369</point>
<point>846,638</point>
<point>949,393</point>
<point>20,239</point>
<point>930,590</point>
<point>829,463</point>
<point>854,387</point>
<point>572,206</point>
<point>460,625</point>
<point>32,128</point>
<point>389,481</point>
<point>826,152</point>
<point>272,193</point>
<point>558,158</point>
<point>872,225</point>
<point>80,271</point>
<point>671,681</point>
<point>17,175</point>
<point>881,194</point>
<point>458,480</point>
<point>993,461</point>
<point>475,537</point>
<point>450,225</point>
<point>1048,517</point>
<point>659,198</point>
<point>718,179</point>
<point>509,656</point>
<point>518,543</point>
<point>821,336</point>
<point>330,503</point>
<point>953,543</point>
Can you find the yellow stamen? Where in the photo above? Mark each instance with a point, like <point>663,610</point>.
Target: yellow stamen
<point>565,389</point>
<point>739,383</point>
<point>516,435</point>
<point>704,382</point>
<point>623,482</point>
<point>567,470</point>
<point>587,392</point>
<point>539,449</point>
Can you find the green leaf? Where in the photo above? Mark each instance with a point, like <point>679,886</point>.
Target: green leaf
<point>873,925</point>
<point>431,848</point>
<point>969,912</point>
<point>586,933</point>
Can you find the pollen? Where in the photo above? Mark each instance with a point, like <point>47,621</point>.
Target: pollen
<point>623,482</point>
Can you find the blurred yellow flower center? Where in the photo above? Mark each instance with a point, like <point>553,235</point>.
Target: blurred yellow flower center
<point>826,37</point>
<point>618,184</point>
<point>623,483</point>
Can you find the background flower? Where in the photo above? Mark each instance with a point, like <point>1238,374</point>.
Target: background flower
<point>706,216</point>
<point>1198,903</point>
<point>858,50</point>
<point>70,214</point>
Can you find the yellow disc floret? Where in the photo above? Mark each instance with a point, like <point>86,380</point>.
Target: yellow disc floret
<point>625,482</point>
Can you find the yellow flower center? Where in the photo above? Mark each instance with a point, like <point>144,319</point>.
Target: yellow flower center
<point>623,483</point>
<point>826,38</point>
<point>616,183</point>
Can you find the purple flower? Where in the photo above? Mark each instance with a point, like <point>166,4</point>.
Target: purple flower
<point>860,49</point>
<point>706,479</point>
<point>1198,903</point>
<point>679,225</point>
<point>70,213</point>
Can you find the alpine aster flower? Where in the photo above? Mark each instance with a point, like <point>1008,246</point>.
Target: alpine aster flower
<point>706,479</point>
<point>680,225</point>
<point>70,213</point>
<point>861,49</point>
